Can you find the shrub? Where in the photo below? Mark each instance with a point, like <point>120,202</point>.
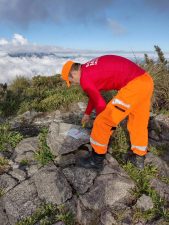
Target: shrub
<point>19,84</point>
<point>160,73</point>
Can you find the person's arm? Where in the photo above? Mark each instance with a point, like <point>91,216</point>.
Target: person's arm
<point>95,100</point>
<point>89,107</point>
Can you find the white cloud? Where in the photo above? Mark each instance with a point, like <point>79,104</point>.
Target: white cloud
<point>19,40</point>
<point>10,67</point>
<point>26,59</point>
<point>3,41</point>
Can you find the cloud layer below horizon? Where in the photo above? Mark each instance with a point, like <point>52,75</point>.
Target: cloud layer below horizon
<point>19,57</point>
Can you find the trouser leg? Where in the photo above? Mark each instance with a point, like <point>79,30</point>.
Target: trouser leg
<point>138,127</point>
<point>125,102</point>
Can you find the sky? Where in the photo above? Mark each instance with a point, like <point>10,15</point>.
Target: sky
<point>128,25</point>
<point>39,36</point>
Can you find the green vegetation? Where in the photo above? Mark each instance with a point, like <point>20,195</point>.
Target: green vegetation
<point>3,161</point>
<point>141,178</point>
<point>24,162</point>
<point>160,73</point>
<point>48,214</point>
<point>50,93</point>
<point>1,192</point>
<point>162,149</point>
<point>8,138</point>
<point>41,94</point>
<point>43,155</point>
<point>4,165</point>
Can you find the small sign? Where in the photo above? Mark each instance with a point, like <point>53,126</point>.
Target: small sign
<point>77,134</point>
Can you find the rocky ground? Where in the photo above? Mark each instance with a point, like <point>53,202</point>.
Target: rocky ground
<point>103,198</point>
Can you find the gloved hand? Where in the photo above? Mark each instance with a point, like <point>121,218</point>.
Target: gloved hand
<point>85,119</point>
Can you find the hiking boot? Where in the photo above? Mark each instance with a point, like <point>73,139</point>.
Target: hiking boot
<point>136,160</point>
<point>91,161</point>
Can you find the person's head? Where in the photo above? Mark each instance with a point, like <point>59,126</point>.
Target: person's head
<point>71,72</point>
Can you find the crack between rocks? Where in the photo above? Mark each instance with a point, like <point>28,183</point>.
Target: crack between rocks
<point>14,185</point>
<point>7,218</point>
<point>71,185</point>
<point>89,188</point>
<point>19,182</point>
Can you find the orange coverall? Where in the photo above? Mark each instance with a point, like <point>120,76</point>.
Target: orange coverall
<point>133,100</point>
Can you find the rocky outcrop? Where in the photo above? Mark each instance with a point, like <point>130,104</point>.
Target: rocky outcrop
<point>95,198</point>
<point>85,192</point>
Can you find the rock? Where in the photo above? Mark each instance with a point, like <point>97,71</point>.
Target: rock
<point>46,119</point>
<point>107,218</point>
<point>21,201</point>
<point>113,167</point>
<point>60,141</point>
<point>163,121</point>
<point>141,222</point>
<point>20,175</point>
<point>161,188</point>
<point>86,216</point>
<point>7,182</point>
<point>153,135</point>
<point>65,160</point>
<point>58,192</point>
<point>59,223</point>
<point>32,169</point>
<point>160,124</point>
<point>77,107</point>
<point>25,150</point>
<point>24,118</point>
<point>29,115</point>
<point>95,198</point>
<point>144,203</point>
<point>13,164</point>
<point>80,178</point>
<point>158,222</point>
<point>58,117</point>
<point>126,216</point>
<point>108,190</point>
<point>71,205</point>
<point>156,161</point>
<point>3,216</point>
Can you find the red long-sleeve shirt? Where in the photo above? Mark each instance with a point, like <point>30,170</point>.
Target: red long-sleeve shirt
<point>108,72</point>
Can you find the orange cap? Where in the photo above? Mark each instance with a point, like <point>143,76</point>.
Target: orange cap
<point>65,71</point>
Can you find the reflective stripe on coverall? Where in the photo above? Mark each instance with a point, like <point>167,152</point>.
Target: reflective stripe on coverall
<point>133,100</point>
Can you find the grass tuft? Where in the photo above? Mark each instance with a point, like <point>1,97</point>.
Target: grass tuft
<point>8,138</point>
<point>43,155</point>
<point>48,214</point>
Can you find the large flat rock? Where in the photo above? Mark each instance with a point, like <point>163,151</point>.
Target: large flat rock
<point>64,138</point>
